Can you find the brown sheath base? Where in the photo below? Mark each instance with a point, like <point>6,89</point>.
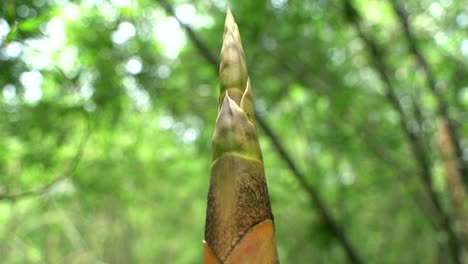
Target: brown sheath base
<point>258,246</point>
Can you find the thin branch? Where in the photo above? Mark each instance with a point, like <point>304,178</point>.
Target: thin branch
<point>416,147</point>
<point>442,107</point>
<point>71,166</point>
<point>312,193</point>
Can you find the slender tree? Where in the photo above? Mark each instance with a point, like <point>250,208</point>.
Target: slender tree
<point>239,221</point>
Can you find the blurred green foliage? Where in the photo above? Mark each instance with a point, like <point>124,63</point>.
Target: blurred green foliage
<point>107,111</point>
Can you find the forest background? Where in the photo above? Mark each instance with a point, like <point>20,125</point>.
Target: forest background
<point>107,109</point>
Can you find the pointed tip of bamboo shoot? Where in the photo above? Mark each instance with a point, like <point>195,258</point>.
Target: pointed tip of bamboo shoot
<point>235,127</point>
<point>230,22</point>
<point>229,15</point>
<point>230,25</point>
<point>233,70</point>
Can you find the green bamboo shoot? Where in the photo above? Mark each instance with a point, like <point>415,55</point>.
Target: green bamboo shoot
<point>239,221</point>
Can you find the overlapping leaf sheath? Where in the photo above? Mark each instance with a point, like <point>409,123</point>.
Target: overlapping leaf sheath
<point>239,222</point>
